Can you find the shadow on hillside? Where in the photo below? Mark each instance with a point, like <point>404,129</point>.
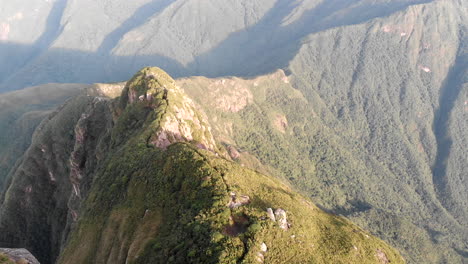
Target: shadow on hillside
<point>352,207</point>
<point>262,48</point>
<point>74,66</point>
<point>18,57</point>
<point>138,18</point>
<point>269,44</point>
<point>450,91</point>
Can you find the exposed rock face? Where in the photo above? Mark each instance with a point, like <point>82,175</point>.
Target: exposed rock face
<point>382,257</point>
<point>19,255</point>
<point>88,150</point>
<point>271,215</point>
<point>226,94</point>
<point>4,31</point>
<point>48,185</point>
<point>281,217</point>
<point>95,187</point>
<point>233,153</point>
<point>178,119</point>
<point>263,247</point>
<point>21,112</point>
<point>237,201</point>
<point>281,123</point>
<point>260,255</point>
<point>238,97</point>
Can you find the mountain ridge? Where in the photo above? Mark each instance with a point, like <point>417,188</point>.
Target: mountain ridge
<point>357,120</point>
<point>127,160</point>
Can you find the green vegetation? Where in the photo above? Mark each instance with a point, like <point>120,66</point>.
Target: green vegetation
<point>35,204</point>
<point>20,114</point>
<point>369,85</point>
<point>123,199</point>
<point>369,123</point>
<point>4,259</point>
<point>184,193</point>
<point>359,137</point>
<point>236,38</point>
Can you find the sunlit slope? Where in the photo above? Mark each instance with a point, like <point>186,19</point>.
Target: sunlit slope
<point>372,124</point>
<point>391,89</point>
<point>140,178</point>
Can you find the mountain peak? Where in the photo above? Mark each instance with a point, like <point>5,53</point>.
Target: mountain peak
<point>173,115</point>
<point>147,84</point>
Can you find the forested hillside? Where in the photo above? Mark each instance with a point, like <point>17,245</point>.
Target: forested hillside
<point>20,114</point>
<point>362,105</point>
<point>139,178</point>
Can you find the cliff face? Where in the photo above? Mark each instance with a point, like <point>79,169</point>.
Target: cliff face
<point>20,114</point>
<point>41,197</point>
<point>141,179</point>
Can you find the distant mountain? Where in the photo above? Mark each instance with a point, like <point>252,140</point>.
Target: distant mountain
<point>361,105</point>
<point>103,41</point>
<point>141,179</point>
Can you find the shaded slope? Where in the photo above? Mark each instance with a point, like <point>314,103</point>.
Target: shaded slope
<point>35,205</point>
<point>20,114</point>
<point>275,40</point>
<point>451,196</point>
<point>53,29</point>
<point>137,19</point>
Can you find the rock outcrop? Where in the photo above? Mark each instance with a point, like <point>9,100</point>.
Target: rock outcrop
<point>19,255</point>
<point>281,217</point>
<point>238,200</point>
<point>177,120</point>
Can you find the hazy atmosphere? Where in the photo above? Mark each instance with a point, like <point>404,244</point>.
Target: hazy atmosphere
<point>234,131</point>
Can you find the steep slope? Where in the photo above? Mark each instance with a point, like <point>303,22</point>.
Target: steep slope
<point>21,112</point>
<point>267,124</point>
<point>388,90</point>
<point>35,204</point>
<point>140,179</point>
<point>371,125</point>
<point>376,107</point>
